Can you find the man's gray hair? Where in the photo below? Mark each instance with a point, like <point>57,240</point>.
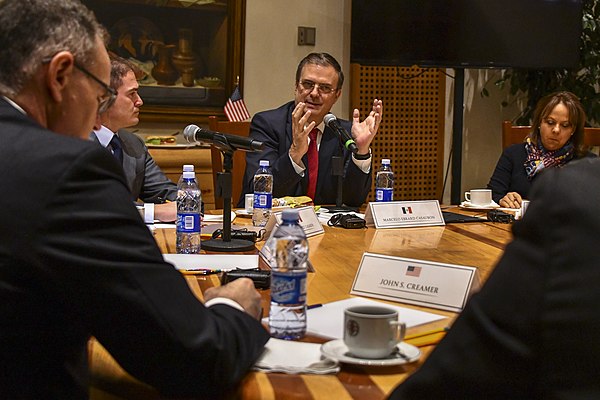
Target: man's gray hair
<point>32,31</point>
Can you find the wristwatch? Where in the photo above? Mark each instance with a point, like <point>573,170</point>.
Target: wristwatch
<point>362,156</point>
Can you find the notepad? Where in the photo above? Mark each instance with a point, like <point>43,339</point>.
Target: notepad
<point>328,321</point>
<point>224,262</point>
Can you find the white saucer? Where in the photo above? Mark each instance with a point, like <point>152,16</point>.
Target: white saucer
<point>337,350</point>
<point>243,212</point>
<point>468,206</point>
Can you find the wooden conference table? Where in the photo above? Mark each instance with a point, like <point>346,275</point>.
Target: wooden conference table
<point>336,256</point>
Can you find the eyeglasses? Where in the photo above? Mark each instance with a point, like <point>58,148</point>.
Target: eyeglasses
<point>322,88</point>
<point>108,98</point>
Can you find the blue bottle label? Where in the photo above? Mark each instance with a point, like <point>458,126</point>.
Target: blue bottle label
<point>288,289</point>
<point>263,200</point>
<point>188,222</point>
<point>384,195</point>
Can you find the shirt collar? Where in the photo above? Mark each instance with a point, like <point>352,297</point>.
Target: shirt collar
<point>104,135</point>
<point>15,105</point>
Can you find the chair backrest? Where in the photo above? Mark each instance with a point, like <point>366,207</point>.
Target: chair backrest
<point>239,158</point>
<point>516,134</point>
<point>513,134</point>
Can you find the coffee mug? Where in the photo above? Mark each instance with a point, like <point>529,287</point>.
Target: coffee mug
<point>372,331</point>
<point>479,197</point>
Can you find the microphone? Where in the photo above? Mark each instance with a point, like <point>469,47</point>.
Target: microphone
<point>346,139</point>
<point>222,141</point>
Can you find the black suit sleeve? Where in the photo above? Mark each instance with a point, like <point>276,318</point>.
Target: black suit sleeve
<point>103,260</point>
<point>531,332</point>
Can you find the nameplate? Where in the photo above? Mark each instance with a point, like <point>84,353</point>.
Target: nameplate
<point>404,214</point>
<point>424,283</point>
<point>308,221</point>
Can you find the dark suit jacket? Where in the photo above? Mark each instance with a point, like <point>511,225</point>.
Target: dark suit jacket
<point>510,176</point>
<point>76,260</point>
<point>145,179</point>
<point>274,129</point>
<point>533,331</point>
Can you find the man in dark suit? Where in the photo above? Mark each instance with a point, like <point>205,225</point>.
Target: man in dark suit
<point>76,260</point>
<point>145,179</point>
<point>285,133</point>
<point>533,331</point>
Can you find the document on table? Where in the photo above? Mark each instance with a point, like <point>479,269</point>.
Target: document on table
<point>224,262</point>
<point>327,321</point>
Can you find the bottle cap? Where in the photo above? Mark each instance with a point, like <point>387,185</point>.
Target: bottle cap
<point>188,167</point>
<point>290,214</point>
<point>385,161</point>
<point>263,163</point>
<point>188,175</point>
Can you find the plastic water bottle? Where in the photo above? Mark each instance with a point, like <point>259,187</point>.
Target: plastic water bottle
<point>263,194</point>
<point>384,182</point>
<point>189,199</point>
<point>288,251</point>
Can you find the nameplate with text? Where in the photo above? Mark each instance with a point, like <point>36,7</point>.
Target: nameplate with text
<point>308,221</point>
<point>404,214</point>
<point>420,282</point>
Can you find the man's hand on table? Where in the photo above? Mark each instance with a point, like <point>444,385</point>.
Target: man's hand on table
<point>166,212</point>
<point>241,291</point>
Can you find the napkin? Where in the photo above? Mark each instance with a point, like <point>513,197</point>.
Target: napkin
<point>292,357</point>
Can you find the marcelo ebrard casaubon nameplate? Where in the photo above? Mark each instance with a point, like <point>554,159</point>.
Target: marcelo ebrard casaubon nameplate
<point>404,214</point>
<point>405,280</point>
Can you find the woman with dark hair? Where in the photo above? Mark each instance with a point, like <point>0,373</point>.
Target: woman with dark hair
<point>556,138</point>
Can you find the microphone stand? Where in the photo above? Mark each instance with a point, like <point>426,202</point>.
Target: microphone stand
<point>337,170</point>
<point>223,189</point>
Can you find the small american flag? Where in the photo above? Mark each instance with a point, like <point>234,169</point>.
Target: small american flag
<point>235,108</point>
<point>413,271</point>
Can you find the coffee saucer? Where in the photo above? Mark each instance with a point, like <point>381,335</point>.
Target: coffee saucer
<point>468,206</point>
<point>337,350</point>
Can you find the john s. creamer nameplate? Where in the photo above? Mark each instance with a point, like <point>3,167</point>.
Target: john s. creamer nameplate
<point>403,214</point>
<point>425,283</point>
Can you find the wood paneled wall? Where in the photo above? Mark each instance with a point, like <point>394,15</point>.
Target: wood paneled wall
<point>411,134</point>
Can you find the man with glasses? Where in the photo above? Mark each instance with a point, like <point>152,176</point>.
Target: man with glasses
<point>145,179</point>
<point>76,260</point>
<point>300,147</point>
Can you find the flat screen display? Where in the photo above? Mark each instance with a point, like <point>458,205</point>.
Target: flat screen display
<point>467,33</point>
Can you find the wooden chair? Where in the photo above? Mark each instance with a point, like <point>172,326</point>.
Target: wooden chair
<point>239,158</point>
<point>516,134</point>
<point>513,134</point>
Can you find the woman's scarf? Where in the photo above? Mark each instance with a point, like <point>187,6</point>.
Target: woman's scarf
<point>538,158</point>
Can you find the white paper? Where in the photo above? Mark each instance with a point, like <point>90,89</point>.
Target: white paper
<point>212,261</point>
<point>328,321</point>
<point>216,218</point>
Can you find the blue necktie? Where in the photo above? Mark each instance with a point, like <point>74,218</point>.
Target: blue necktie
<point>116,148</point>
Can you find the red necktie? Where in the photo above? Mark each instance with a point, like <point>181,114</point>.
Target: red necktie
<point>313,164</point>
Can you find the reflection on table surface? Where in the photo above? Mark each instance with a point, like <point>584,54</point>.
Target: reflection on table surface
<point>336,256</point>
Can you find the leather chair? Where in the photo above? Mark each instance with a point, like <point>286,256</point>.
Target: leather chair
<point>517,134</point>
<point>239,158</point>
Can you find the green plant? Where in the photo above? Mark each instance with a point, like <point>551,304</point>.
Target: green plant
<point>529,86</point>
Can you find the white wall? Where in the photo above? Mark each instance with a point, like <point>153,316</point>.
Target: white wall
<point>482,130</point>
<point>272,52</point>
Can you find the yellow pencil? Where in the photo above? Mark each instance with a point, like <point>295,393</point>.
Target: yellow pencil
<point>427,333</point>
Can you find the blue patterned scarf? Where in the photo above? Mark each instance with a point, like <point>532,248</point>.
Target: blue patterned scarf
<point>538,158</point>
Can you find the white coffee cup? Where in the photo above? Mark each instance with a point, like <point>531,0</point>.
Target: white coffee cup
<point>479,197</point>
<point>249,202</point>
<point>372,331</point>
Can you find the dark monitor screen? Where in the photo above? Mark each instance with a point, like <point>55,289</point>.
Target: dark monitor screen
<point>467,33</point>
